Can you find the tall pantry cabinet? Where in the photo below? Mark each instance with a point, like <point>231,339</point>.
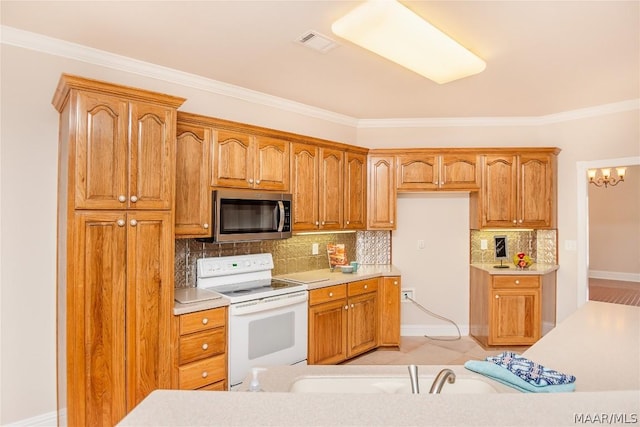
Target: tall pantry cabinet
<point>115,247</point>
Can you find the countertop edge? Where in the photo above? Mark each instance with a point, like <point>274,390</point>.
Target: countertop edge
<point>534,270</point>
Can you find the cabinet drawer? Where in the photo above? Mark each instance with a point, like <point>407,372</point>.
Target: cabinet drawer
<point>330,293</point>
<point>219,386</point>
<point>202,373</point>
<point>202,345</point>
<point>515,282</point>
<point>202,320</point>
<point>363,287</point>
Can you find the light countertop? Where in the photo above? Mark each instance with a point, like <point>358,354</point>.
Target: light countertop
<point>313,279</point>
<point>599,344</point>
<point>533,270</point>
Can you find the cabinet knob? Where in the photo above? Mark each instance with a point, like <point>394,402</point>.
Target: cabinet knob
<point>317,223</point>
<point>514,221</point>
<point>322,222</point>
<point>497,296</point>
<point>257,181</point>
<point>133,199</point>
<point>347,222</point>
<point>351,305</point>
<point>120,223</point>
<point>205,226</point>
<point>517,282</point>
<point>205,346</point>
<point>395,282</point>
<point>391,221</point>
<point>133,222</point>
<point>346,307</point>
<point>205,374</point>
<point>366,286</point>
<point>205,321</point>
<point>520,221</point>
<point>250,180</point>
<point>330,294</point>
<point>122,198</point>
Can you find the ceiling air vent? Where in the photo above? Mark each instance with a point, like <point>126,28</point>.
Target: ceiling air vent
<point>317,41</point>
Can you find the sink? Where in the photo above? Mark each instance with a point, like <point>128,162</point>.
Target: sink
<point>402,385</point>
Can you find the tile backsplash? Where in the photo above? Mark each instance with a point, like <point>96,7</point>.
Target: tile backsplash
<point>289,255</point>
<point>540,245</point>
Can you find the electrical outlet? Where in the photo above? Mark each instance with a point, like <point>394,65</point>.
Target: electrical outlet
<point>483,244</point>
<point>314,249</point>
<point>405,294</point>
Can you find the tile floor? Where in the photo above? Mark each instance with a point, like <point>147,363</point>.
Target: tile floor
<point>426,351</point>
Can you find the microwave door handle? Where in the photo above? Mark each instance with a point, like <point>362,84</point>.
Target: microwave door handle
<point>281,209</point>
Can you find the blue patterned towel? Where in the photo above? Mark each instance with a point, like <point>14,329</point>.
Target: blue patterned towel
<point>531,372</point>
<point>506,377</point>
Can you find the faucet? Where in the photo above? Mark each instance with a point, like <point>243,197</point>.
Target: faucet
<point>444,375</point>
<point>413,376</point>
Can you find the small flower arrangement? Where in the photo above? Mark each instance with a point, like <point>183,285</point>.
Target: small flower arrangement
<point>522,260</point>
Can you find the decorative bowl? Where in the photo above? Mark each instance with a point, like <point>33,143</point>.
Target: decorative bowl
<point>522,260</point>
<point>346,269</point>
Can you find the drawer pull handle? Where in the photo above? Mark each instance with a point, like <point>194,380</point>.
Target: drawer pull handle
<point>133,199</point>
<point>205,374</point>
<point>346,307</point>
<point>497,296</point>
<point>366,286</point>
<point>517,282</point>
<point>330,294</point>
<point>205,226</point>
<point>205,321</point>
<point>395,282</point>
<point>122,199</point>
<point>205,346</point>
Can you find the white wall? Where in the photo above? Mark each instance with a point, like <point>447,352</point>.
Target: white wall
<point>439,273</point>
<point>28,174</point>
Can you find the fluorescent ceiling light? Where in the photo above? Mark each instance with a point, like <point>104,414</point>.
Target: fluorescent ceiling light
<point>392,31</point>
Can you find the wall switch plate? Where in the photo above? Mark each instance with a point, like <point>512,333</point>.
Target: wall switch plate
<point>314,249</point>
<point>570,245</point>
<point>483,244</point>
<point>421,244</point>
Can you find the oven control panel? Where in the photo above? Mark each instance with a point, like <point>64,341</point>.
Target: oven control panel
<point>237,264</point>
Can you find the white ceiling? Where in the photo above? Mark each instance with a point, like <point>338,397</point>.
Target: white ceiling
<point>543,57</point>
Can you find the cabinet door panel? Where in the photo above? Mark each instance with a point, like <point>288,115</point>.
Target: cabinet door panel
<point>327,333</point>
<point>499,191</point>
<point>193,196</point>
<point>363,326</point>
<point>101,152</point>
<point>96,320</point>
<point>272,164</point>
<point>535,198</point>
<point>304,186</point>
<point>152,156</point>
<point>460,172</point>
<point>355,207</point>
<point>331,189</point>
<point>515,317</point>
<point>389,319</point>
<point>381,210</point>
<point>149,302</point>
<point>417,172</point>
<point>233,164</point>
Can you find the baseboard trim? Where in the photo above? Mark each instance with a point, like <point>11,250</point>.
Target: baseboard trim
<point>614,275</point>
<point>433,330</point>
<point>43,420</point>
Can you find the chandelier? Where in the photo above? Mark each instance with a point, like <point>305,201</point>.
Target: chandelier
<point>604,177</point>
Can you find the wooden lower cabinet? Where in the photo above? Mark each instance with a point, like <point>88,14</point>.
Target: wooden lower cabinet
<point>343,321</point>
<point>200,358</point>
<point>511,309</point>
<point>389,321</point>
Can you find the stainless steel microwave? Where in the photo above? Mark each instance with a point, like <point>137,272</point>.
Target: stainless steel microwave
<point>241,215</point>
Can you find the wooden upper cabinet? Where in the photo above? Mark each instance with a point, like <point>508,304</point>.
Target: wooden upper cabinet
<point>305,164</point>
<point>428,171</point>
<point>381,210</point>
<point>242,160</point>
<point>355,195</point>
<point>518,190</point>
<point>193,169</point>
<point>120,169</point>
<point>331,189</point>
<point>233,159</point>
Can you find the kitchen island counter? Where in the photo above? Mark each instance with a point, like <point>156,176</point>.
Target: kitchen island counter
<point>606,327</point>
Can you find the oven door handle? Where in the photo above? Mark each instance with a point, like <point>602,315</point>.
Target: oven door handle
<point>269,303</point>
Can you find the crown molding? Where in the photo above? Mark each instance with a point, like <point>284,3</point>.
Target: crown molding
<point>28,40</point>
